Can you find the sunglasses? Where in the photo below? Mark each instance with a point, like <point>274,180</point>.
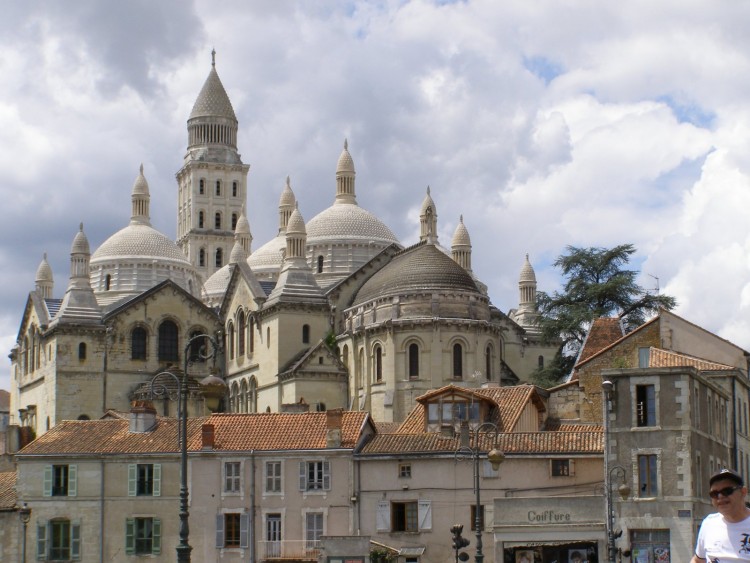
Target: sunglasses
<point>725,492</point>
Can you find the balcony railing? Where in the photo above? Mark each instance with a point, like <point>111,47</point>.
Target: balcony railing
<point>289,549</point>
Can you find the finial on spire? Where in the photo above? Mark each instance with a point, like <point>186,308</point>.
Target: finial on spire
<point>461,218</point>
<point>428,190</point>
<point>80,227</point>
<point>288,182</point>
<point>141,169</point>
<point>213,57</point>
<point>45,255</point>
<point>346,144</point>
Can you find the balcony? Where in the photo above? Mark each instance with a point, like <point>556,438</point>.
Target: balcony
<point>289,550</point>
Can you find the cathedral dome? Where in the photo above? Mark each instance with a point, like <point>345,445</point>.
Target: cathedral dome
<point>269,256</point>
<point>141,241</point>
<point>421,268</point>
<point>345,222</point>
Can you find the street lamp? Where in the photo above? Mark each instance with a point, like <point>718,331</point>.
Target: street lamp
<point>213,389</point>
<point>616,473</point>
<point>495,457</point>
<point>24,513</point>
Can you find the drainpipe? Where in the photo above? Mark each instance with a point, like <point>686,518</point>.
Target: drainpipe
<point>252,506</point>
<point>101,512</point>
<point>734,424</point>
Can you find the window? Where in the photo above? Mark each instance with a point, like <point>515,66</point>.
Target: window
<point>231,340</point>
<point>273,476</point>
<point>273,535</point>
<point>138,343</point>
<point>413,361</point>
<point>458,361</point>
<point>314,476</point>
<point>201,186</point>
<point>313,530</point>
<point>650,545</point>
<point>142,536</point>
<point>305,334</point>
<point>217,221</point>
<point>234,221</point>
<point>404,470</point>
<point>168,342</point>
<point>218,187</point>
<point>219,257</point>
<point>144,479</point>
<point>202,257</point>
<point>251,344</point>
<point>108,282</point>
<point>241,328</point>
<point>540,362</point>
<point>235,189</point>
<point>645,403</point>
<point>232,530</point>
<point>201,219</point>
<point>82,351</point>
<point>561,467</point>
<point>488,362</point>
<point>60,481</point>
<point>644,357</point>
<point>474,517</point>
<point>647,477</point>
<point>232,476</point>
<point>448,413</point>
<point>58,540</point>
<point>404,516</point>
<point>198,346</point>
<point>320,264</point>
<point>378,364</point>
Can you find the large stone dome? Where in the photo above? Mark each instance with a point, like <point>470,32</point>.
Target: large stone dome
<point>142,241</point>
<point>269,256</point>
<point>421,268</point>
<point>348,222</point>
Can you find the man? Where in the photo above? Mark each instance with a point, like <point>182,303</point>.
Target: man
<point>724,536</point>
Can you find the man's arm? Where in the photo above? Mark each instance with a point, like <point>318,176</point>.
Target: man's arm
<point>697,559</point>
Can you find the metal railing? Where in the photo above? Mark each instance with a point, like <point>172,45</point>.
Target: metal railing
<point>288,549</point>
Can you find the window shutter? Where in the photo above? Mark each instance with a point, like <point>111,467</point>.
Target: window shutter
<point>156,537</point>
<point>75,539</point>
<point>129,536</point>
<point>132,479</point>
<point>302,476</point>
<point>41,539</point>
<point>572,467</point>
<point>157,480</point>
<point>72,480</point>
<point>424,511</point>
<point>219,530</point>
<point>244,530</point>
<point>47,489</point>
<point>383,519</point>
<point>327,475</point>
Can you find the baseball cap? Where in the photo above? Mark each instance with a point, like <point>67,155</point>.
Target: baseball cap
<point>726,475</point>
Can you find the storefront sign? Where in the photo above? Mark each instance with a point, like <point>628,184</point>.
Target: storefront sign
<point>549,511</point>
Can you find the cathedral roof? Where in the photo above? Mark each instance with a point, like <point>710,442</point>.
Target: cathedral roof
<point>527,272</point>
<point>461,235</point>
<point>418,268</point>
<point>142,241</point>
<point>270,255</point>
<point>213,100</point>
<point>347,221</point>
<point>80,243</point>
<point>345,163</point>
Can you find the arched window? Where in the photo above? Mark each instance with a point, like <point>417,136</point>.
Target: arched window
<point>230,332</point>
<point>234,221</point>
<point>218,187</point>
<point>219,257</point>
<point>201,186</point>
<point>82,351</point>
<point>251,344</point>
<point>234,395</point>
<point>243,397</point>
<point>241,333</point>
<point>345,356</point>
<point>202,257</point>
<point>198,347</point>
<point>252,396</point>
<point>235,188</point>
<point>305,334</point>
<point>458,361</point>
<point>540,362</point>
<point>168,340</point>
<point>378,364</point>
<point>201,219</point>
<point>320,264</point>
<point>107,282</point>
<point>138,343</point>
<point>488,362</point>
<point>268,337</point>
<point>413,360</point>
<point>217,221</point>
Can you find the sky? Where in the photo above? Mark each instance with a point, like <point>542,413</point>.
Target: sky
<point>545,124</point>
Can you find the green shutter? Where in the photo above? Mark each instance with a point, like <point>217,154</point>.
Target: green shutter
<point>129,536</point>
<point>41,539</point>
<point>132,479</point>
<point>47,488</point>
<point>157,480</point>
<point>75,539</point>
<point>156,537</point>
<point>72,480</point>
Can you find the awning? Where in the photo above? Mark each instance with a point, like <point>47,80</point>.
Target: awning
<point>411,551</point>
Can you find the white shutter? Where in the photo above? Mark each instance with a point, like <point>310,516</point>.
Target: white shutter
<point>326,475</point>
<point>302,476</point>
<point>75,539</point>
<point>244,530</point>
<point>157,480</point>
<point>219,530</point>
<point>383,517</point>
<point>424,511</point>
<point>47,490</point>
<point>72,480</point>
<point>41,539</point>
<point>132,479</point>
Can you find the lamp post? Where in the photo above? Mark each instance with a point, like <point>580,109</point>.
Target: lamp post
<point>612,474</point>
<point>24,513</point>
<point>213,389</point>
<point>495,457</point>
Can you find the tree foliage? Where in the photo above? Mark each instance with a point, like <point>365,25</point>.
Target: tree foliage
<point>597,284</point>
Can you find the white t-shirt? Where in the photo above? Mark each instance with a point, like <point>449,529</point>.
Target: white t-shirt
<point>720,541</point>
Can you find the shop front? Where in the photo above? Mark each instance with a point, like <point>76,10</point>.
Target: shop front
<point>550,530</point>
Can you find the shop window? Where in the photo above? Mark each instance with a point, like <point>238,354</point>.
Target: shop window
<point>650,545</point>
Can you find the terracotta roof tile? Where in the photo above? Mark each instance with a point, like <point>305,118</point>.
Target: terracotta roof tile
<point>603,332</point>
<point>659,358</point>
<point>8,496</point>
<point>558,426</point>
<point>648,323</point>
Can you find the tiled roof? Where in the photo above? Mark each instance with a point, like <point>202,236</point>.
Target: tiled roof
<point>659,358</point>
<point>260,431</point>
<point>387,427</point>
<point>590,441</point>
<point>559,426</point>
<point>613,344</point>
<point>604,331</point>
<point>8,496</point>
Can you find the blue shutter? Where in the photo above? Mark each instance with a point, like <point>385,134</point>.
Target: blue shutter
<point>327,475</point>
<point>129,536</point>
<point>156,536</point>
<point>47,487</point>
<point>219,530</point>
<point>75,539</point>
<point>244,530</point>
<point>132,479</point>
<point>302,476</point>
<point>72,480</point>
<point>157,480</point>
<point>41,539</point>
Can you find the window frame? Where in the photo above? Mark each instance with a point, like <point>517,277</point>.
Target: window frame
<point>648,480</point>
<point>138,343</point>
<point>405,516</point>
<point>404,470</point>
<point>144,479</point>
<point>315,476</point>
<point>559,467</point>
<point>275,480</point>
<point>142,536</point>
<point>47,534</point>
<point>232,479</point>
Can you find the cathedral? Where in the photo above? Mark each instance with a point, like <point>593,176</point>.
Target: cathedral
<point>333,312</point>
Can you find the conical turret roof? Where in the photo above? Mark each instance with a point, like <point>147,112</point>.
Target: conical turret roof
<point>213,100</point>
<point>44,271</point>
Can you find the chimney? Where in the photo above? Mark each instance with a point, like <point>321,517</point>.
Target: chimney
<point>207,436</point>
<point>142,416</point>
<point>333,427</point>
